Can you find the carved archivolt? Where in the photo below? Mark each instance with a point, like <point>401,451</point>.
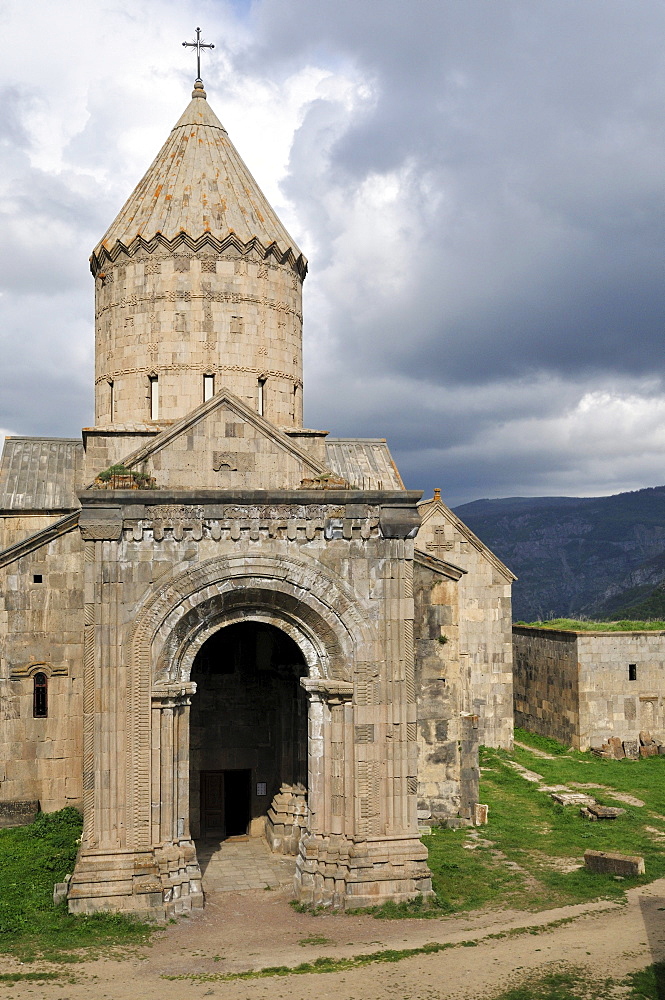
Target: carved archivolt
<point>311,604</point>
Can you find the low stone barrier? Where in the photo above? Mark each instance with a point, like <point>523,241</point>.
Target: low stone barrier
<point>18,812</point>
<point>613,864</point>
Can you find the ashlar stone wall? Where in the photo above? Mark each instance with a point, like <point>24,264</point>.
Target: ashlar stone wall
<point>438,689</point>
<point>41,631</point>
<point>583,687</point>
<point>485,620</point>
<point>178,315</point>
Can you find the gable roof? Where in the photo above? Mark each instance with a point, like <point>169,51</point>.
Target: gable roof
<point>364,462</point>
<point>40,474</point>
<point>430,507</point>
<point>224,398</point>
<point>198,186</point>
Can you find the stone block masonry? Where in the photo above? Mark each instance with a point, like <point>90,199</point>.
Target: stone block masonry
<point>587,689</point>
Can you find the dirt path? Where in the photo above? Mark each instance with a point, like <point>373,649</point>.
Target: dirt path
<point>254,929</point>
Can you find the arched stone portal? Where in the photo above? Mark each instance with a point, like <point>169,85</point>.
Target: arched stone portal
<point>359,843</point>
<point>248,728</point>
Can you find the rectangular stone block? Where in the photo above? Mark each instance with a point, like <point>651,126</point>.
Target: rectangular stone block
<point>17,812</point>
<point>613,864</point>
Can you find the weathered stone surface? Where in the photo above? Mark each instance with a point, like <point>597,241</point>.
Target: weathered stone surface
<point>573,799</point>
<point>614,864</point>
<point>17,812</point>
<point>605,812</point>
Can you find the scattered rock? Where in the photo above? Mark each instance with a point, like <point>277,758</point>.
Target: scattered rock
<point>645,738</point>
<point>631,748</point>
<point>613,864</point>
<point>573,799</point>
<point>649,750</point>
<point>605,812</point>
<point>480,814</point>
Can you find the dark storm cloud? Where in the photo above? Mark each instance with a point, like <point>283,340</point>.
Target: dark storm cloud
<point>542,124</point>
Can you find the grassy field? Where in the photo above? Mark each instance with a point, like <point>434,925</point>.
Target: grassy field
<point>530,854</point>
<point>32,859</point>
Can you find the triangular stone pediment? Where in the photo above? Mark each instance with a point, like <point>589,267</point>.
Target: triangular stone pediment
<point>224,444</point>
<point>443,535</point>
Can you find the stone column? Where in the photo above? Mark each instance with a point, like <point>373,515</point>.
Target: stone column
<point>322,865</point>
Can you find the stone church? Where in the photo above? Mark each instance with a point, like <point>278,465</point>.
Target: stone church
<point>216,622</point>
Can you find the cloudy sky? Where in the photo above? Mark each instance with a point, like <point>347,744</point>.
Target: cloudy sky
<point>478,186</point>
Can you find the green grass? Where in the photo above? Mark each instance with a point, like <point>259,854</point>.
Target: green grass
<point>32,859</point>
<point>567,984</point>
<point>574,983</point>
<point>583,625</point>
<point>519,859</point>
<point>647,984</point>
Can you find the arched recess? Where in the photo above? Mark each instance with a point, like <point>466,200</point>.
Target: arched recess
<point>299,596</point>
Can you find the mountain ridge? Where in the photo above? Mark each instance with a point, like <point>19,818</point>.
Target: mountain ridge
<point>577,555</point>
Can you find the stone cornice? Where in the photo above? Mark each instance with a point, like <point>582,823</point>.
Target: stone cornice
<point>122,498</point>
<point>103,255</point>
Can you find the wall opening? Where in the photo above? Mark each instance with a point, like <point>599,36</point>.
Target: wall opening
<point>208,387</point>
<point>40,696</point>
<point>632,671</point>
<point>261,398</point>
<point>154,397</point>
<point>248,728</point>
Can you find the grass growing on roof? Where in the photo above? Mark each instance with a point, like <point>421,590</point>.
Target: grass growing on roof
<point>32,859</point>
<point>583,625</point>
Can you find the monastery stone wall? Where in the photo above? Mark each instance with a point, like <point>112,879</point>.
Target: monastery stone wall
<point>546,683</point>
<point>576,686</point>
<point>610,703</point>
<point>41,631</point>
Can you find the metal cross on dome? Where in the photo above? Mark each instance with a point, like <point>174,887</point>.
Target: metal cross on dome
<point>198,45</point>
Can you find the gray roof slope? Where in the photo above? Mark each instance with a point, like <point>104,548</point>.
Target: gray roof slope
<point>363,462</point>
<point>40,473</point>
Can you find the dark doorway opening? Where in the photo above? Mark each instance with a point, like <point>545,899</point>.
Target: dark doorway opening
<point>248,728</point>
<point>225,803</point>
<point>237,798</point>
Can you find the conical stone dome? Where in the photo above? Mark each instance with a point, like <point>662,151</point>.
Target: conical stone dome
<point>198,286</point>
<point>198,185</point>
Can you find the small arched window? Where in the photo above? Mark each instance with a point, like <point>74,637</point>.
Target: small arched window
<point>40,696</point>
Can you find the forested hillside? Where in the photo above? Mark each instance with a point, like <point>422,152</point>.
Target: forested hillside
<point>597,556</point>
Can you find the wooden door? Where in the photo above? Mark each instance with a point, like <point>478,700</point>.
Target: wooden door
<point>212,804</point>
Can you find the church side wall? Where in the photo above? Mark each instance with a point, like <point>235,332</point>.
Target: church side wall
<point>547,683</point>
<point>486,645</point>
<point>438,695</point>
<point>485,620</point>
<point>41,631</point>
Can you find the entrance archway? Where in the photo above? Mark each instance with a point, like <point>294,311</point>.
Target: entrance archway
<point>248,727</point>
